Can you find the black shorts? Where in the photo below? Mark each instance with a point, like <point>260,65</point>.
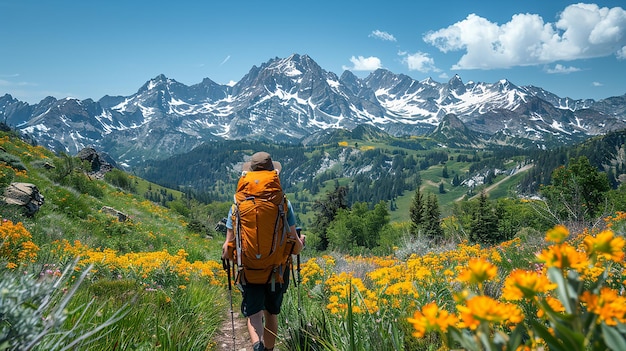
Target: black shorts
<point>259,297</point>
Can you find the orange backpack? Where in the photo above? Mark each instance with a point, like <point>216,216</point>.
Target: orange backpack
<point>259,217</point>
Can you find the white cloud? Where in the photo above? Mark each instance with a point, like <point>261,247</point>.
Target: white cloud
<point>621,54</point>
<point>382,35</point>
<point>225,60</point>
<point>597,84</point>
<point>581,31</point>
<point>419,61</point>
<point>364,63</point>
<point>559,68</point>
<point>9,83</point>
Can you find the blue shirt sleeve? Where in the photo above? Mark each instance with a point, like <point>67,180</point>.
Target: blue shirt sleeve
<point>291,217</point>
<point>229,218</point>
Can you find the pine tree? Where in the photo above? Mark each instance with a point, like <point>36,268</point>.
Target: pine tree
<point>375,220</point>
<point>456,181</point>
<point>432,227</point>
<point>327,210</point>
<point>416,212</point>
<point>485,223</point>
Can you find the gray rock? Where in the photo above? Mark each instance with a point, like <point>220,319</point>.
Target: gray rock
<point>26,195</point>
<point>100,163</point>
<point>121,216</point>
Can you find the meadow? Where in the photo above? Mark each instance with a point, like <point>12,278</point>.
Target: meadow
<point>76,278</point>
<point>562,291</point>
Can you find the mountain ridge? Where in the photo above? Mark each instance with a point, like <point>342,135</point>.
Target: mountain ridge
<point>290,99</point>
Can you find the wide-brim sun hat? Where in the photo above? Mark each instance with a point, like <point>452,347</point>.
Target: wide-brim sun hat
<point>261,161</point>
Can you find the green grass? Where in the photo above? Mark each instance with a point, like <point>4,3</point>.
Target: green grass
<point>168,319</point>
<point>164,314</point>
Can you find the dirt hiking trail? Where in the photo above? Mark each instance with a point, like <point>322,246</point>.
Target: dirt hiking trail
<point>224,337</point>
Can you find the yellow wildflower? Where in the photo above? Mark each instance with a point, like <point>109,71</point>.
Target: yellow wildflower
<point>478,270</point>
<point>605,244</point>
<point>485,309</point>
<point>404,289</point>
<point>431,318</point>
<point>564,256</point>
<point>525,284</point>
<point>558,234</point>
<point>554,303</point>
<point>609,306</point>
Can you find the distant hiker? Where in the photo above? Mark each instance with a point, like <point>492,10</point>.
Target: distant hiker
<point>261,236</point>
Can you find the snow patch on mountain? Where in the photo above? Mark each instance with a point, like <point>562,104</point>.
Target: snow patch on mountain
<point>291,98</point>
<point>333,83</point>
<point>121,107</point>
<point>287,67</point>
<point>38,127</point>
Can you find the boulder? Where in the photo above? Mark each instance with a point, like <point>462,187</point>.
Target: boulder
<point>100,163</point>
<point>25,195</point>
<point>220,226</point>
<point>121,216</point>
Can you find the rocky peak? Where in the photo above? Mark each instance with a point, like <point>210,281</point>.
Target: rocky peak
<point>455,84</point>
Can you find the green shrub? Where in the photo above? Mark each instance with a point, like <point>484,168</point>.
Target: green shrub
<point>85,185</point>
<point>7,174</point>
<point>68,202</point>
<point>121,180</point>
<point>179,207</point>
<point>12,160</point>
<point>69,171</point>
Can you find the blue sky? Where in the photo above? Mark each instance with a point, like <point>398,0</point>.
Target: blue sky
<point>88,49</point>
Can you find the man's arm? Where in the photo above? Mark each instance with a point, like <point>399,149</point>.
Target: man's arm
<point>229,244</point>
<point>293,234</point>
<point>298,240</point>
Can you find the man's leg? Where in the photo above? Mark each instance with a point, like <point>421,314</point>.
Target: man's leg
<point>255,329</point>
<point>273,302</point>
<point>270,331</point>
<point>253,296</point>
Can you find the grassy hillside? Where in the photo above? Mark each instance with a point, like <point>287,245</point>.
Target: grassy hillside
<point>72,208</point>
<point>164,277</point>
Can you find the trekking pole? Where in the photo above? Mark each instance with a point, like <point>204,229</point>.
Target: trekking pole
<point>298,230</point>
<point>226,265</point>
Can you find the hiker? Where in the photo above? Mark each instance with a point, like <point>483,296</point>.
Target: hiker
<point>261,302</point>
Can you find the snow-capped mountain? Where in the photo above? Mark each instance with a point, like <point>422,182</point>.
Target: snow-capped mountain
<point>288,99</point>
